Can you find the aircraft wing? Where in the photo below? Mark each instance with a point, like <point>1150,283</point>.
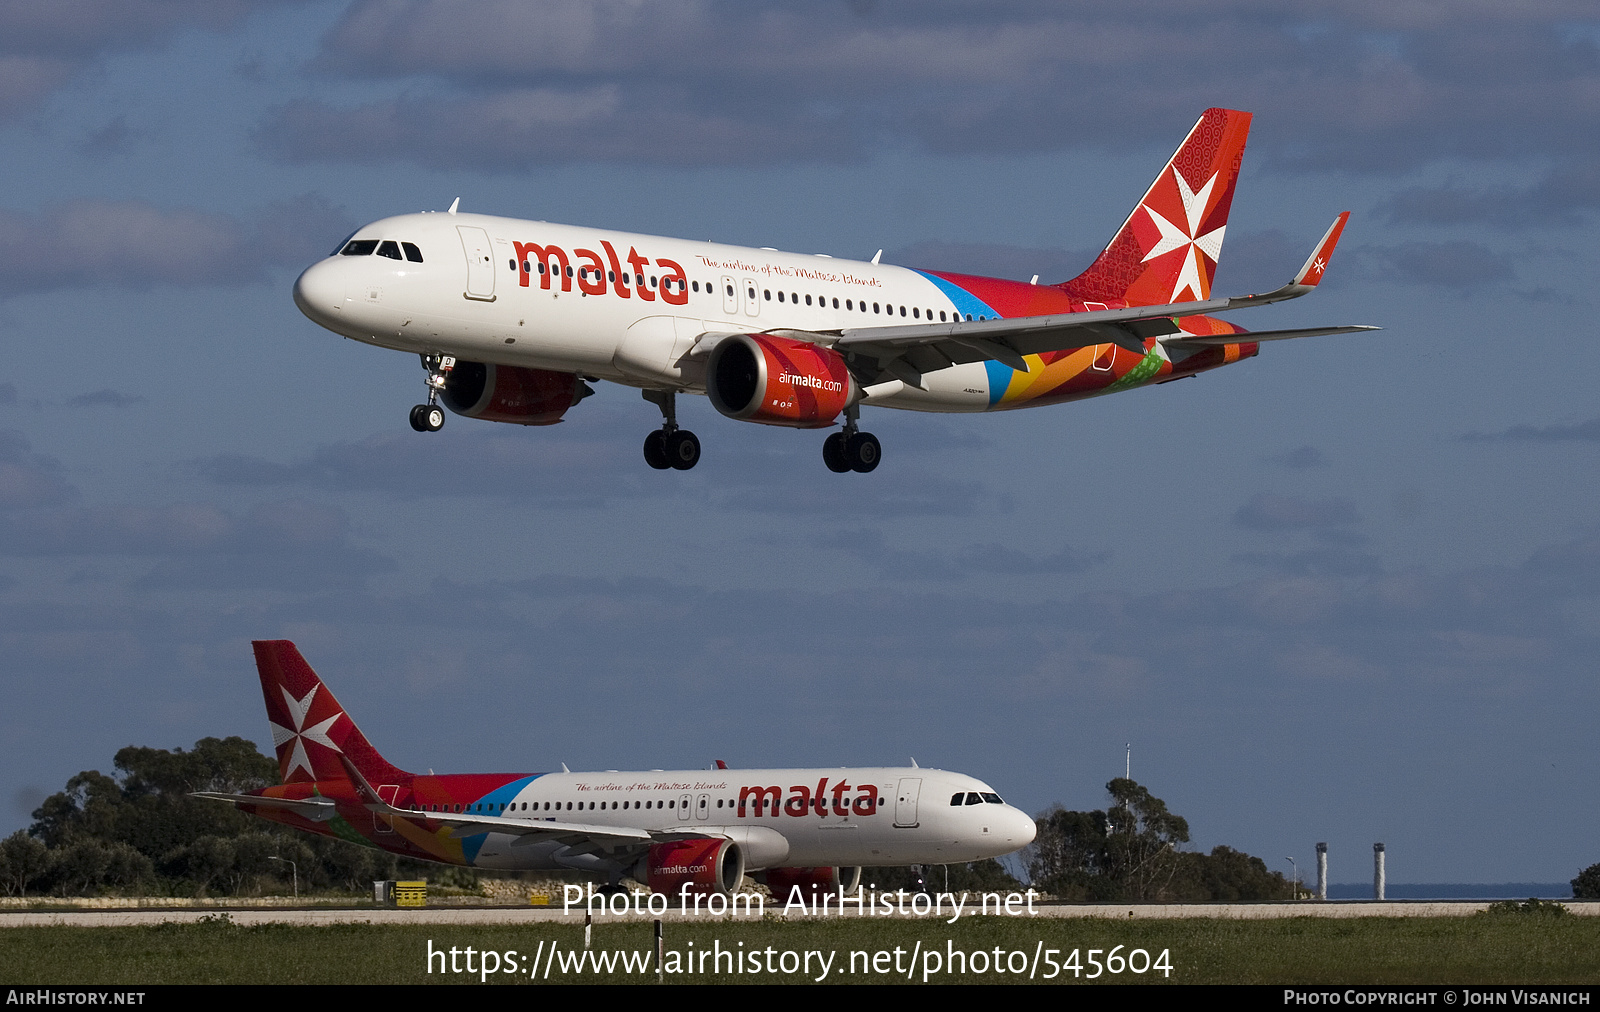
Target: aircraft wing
<point>530,831</point>
<point>316,809</point>
<point>908,352</point>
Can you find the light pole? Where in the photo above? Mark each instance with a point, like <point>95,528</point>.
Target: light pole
<point>1294,888</point>
<point>294,870</point>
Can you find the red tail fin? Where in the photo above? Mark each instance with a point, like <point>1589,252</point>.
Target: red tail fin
<point>1168,248</point>
<point>309,727</point>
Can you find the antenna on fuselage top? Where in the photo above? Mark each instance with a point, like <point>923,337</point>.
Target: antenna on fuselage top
<point>453,205</point>
<point>876,256</point>
<point>914,763</point>
<point>564,768</point>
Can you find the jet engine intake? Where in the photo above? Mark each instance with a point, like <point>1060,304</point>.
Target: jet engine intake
<point>778,381</point>
<point>703,864</point>
<point>509,393</point>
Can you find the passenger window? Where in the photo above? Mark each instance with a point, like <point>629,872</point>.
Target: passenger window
<point>835,303</point>
<point>874,307</point>
<point>767,292</point>
<point>847,304</point>
<point>390,249</point>
<point>914,313</point>
<point>808,300</point>
<point>412,253</point>
<point>780,296</point>
<point>902,310</point>
<point>941,316</point>
<point>360,247</point>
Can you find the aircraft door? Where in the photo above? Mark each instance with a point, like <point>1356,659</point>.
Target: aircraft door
<point>480,262</point>
<point>730,296</point>
<point>683,807</point>
<point>702,807</point>
<point>905,802</point>
<point>752,297</point>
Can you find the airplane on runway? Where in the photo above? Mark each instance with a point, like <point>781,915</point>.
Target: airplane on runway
<point>699,831</point>
<point>513,319</point>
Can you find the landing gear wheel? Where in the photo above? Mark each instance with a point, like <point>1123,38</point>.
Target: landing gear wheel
<point>655,450</point>
<point>418,420</point>
<point>433,417</point>
<point>833,453</point>
<point>683,449</point>
<point>863,452</point>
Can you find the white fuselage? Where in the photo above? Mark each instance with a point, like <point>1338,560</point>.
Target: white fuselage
<point>471,298</point>
<point>837,817</point>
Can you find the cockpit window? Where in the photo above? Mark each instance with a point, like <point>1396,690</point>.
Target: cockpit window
<point>991,798</point>
<point>340,247</point>
<point>959,798</point>
<point>412,253</point>
<point>973,798</point>
<point>390,249</point>
<point>359,248</point>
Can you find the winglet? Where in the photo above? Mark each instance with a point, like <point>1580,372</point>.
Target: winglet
<point>721,765</point>
<point>1310,275</point>
<point>1317,262</point>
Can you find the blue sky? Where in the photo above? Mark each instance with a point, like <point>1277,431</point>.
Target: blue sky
<point>1346,591</point>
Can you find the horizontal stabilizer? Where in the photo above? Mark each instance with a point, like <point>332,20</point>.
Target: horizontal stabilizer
<point>1266,335</point>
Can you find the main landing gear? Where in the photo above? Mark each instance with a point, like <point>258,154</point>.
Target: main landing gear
<point>669,446</point>
<point>429,417</point>
<point>851,449</point>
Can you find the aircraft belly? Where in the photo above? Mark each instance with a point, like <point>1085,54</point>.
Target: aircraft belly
<point>960,388</point>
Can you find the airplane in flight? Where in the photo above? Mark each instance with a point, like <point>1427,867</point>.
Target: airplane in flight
<point>514,319</point>
<point>684,831</point>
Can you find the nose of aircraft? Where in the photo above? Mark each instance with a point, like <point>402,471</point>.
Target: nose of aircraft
<point>319,291</point>
<point>1018,827</point>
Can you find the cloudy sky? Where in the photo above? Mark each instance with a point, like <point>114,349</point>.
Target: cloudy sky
<point>1346,591</point>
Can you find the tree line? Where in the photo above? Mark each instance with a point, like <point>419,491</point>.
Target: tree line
<point>140,833</point>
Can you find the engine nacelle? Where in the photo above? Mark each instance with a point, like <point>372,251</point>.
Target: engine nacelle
<point>703,864</point>
<point>509,393</point>
<point>778,381</point>
<point>811,881</point>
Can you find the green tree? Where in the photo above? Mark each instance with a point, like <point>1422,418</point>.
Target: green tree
<point>1129,851</point>
<point>23,860</point>
<point>1587,885</point>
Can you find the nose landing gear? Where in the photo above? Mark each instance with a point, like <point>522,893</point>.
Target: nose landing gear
<point>429,417</point>
<point>669,446</point>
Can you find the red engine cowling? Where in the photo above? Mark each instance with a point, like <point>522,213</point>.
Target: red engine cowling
<point>703,864</point>
<point>509,393</point>
<point>776,381</point>
<point>782,881</point>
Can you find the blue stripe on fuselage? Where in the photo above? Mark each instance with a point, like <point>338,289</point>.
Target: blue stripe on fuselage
<point>968,304</point>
